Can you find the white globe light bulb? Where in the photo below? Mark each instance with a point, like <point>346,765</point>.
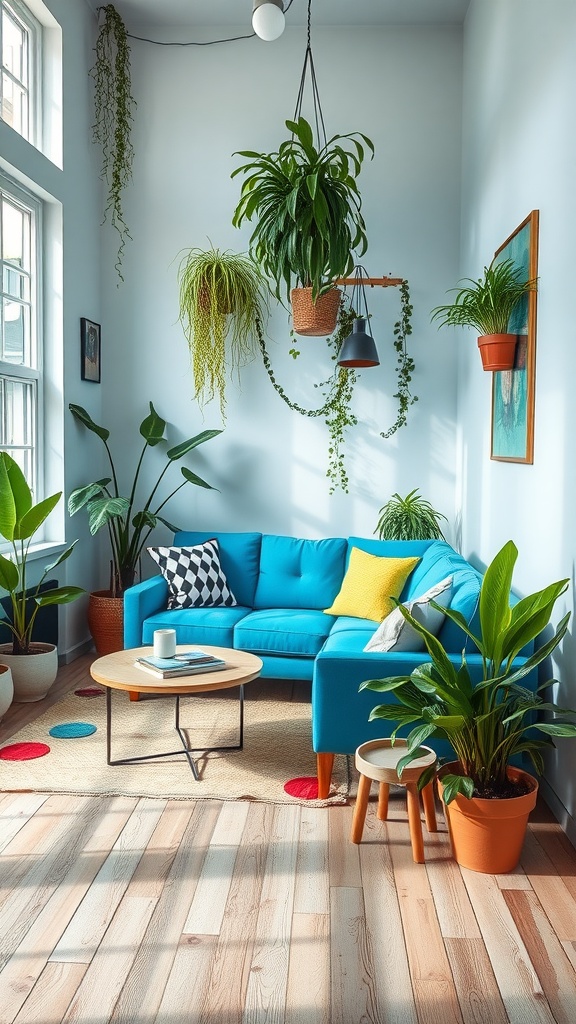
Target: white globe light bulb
<point>268,21</point>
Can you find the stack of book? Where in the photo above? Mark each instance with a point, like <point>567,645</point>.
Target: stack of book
<point>185,664</point>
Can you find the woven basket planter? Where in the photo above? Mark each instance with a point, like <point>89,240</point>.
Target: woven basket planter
<point>314,319</point>
<point>106,621</point>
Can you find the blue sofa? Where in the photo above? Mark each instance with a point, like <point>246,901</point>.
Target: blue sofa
<point>282,585</point>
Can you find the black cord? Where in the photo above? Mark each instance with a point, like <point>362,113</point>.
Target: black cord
<point>211,42</point>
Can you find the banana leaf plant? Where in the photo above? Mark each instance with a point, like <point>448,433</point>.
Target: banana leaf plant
<point>129,526</point>
<point>489,723</point>
<point>20,520</point>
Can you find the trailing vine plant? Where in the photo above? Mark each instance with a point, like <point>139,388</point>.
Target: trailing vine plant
<point>335,409</point>
<point>404,364</point>
<point>112,129</point>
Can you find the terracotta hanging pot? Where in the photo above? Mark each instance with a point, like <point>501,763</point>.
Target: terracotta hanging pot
<point>314,319</point>
<point>487,835</point>
<point>498,351</point>
<point>106,621</point>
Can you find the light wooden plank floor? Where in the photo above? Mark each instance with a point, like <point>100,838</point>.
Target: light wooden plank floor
<point>134,911</point>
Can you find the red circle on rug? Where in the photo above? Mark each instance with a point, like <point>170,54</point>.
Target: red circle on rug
<point>24,751</point>
<point>89,691</point>
<point>306,787</point>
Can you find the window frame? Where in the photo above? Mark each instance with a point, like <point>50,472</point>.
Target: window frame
<point>21,197</point>
<point>19,12</point>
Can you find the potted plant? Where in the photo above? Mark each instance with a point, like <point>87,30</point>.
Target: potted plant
<point>488,304</point>
<point>222,296</point>
<point>409,518</point>
<point>481,707</point>
<point>33,664</point>
<point>128,527</point>
<point>307,211</point>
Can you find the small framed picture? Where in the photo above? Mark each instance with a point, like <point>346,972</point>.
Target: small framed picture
<point>89,350</point>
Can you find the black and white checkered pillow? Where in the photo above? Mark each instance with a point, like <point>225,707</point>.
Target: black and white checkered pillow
<point>194,576</point>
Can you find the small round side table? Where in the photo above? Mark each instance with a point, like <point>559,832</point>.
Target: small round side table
<point>376,761</point>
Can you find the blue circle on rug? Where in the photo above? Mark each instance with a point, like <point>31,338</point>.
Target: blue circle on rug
<point>72,730</point>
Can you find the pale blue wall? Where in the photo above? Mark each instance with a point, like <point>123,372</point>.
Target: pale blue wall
<point>519,154</point>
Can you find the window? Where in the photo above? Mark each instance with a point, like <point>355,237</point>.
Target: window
<point>20,36</point>
<point>20,362</point>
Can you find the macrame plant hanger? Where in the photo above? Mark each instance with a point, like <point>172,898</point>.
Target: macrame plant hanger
<point>309,69</point>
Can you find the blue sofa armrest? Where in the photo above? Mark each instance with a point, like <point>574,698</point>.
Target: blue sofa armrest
<point>340,713</point>
<point>140,601</point>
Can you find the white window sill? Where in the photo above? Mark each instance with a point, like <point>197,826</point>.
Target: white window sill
<point>36,551</point>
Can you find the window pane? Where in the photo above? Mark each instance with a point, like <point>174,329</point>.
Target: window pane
<point>16,342</point>
<point>18,413</point>
<point>15,284</point>
<point>15,225</point>
<point>14,49</point>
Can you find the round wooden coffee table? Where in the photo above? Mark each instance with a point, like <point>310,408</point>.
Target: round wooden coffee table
<point>118,671</point>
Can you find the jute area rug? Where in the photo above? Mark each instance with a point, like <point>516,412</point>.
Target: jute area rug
<point>277,747</point>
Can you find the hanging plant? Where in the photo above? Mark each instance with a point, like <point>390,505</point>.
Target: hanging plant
<point>222,296</point>
<point>112,129</point>
<point>405,365</point>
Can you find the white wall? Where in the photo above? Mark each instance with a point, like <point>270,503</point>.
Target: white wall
<point>196,106</point>
<point>519,154</point>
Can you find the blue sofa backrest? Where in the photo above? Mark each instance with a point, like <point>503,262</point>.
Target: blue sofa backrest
<point>296,573</point>
<point>438,561</point>
<point>239,558</point>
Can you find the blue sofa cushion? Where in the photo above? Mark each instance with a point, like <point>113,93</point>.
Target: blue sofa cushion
<point>438,561</point>
<point>239,558</point>
<point>297,573</point>
<point>284,631</point>
<point>212,626</point>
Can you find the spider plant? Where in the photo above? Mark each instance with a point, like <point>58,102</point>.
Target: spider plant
<point>409,518</point>
<point>489,302</point>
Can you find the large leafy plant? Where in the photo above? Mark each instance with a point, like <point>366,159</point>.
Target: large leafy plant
<point>306,206</point>
<point>129,527</point>
<point>491,722</point>
<point>489,302</point>
<point>20,520</point>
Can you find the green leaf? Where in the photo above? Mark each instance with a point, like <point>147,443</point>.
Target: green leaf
<point>15,496</point>
<point>9,574</point>
<point>61,558</point>
<point>556,728</point>
<point>104,510</point>
<point>35,516</point>
<point>193,478</point>
<point>59,595</point>
<point>453,785</point>
<point>83,417</point>
<point>186,446</point>
<point>153,427</point>
<point>495,611</point>
<point>83,495</point>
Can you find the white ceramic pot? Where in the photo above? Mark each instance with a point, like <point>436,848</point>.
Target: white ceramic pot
<point>6,689</point>
<point>33,674</point>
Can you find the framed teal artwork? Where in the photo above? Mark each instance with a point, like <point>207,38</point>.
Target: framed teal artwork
<point>512,434</point>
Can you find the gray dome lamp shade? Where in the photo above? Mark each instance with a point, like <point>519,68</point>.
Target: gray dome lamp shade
<point>359,348</point>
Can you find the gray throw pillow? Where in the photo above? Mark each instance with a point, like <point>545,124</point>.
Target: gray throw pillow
<point>396,634</point>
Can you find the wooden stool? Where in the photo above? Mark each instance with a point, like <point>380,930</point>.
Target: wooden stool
<point>376,761</point>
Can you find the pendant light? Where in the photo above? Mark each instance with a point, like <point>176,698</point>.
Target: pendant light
<point>359,348</point>
<point>268,19</point>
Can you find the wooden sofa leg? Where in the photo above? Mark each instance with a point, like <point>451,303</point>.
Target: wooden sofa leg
<point>324,765</point>
<point>134,694</point>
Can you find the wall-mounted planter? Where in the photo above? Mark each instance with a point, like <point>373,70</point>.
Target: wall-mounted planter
<point>497,351</point>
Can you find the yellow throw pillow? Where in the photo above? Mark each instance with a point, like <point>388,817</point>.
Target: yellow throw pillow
<point>369,583</point>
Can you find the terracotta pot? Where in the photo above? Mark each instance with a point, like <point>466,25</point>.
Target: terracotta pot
<point>487,835</point>
<point>498,351</point>
<point>314,319</point>
<point>33,674</point>
<point>106,621</point>
<point>6,689</point>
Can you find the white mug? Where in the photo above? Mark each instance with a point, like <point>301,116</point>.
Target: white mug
<point>164,643</point>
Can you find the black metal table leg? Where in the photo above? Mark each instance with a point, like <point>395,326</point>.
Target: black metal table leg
<point>185,749</point>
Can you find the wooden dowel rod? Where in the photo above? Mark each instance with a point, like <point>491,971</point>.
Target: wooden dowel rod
<point>382,282</point>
